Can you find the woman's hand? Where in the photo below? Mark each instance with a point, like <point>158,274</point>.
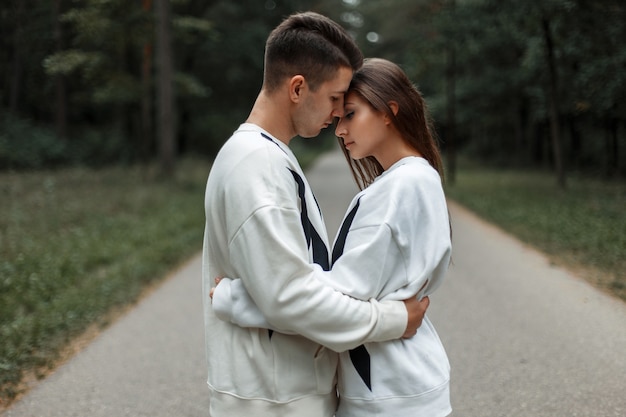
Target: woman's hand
<point>217,281</point>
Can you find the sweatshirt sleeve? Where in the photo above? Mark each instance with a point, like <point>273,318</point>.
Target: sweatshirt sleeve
<point>359,273</point>
<point>232,303</point>
<point>269,252</point>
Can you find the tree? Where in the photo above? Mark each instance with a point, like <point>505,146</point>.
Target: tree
<point>555,115</point>
<point>496,90</point>
<point>109,60</point>
<point>451,100</point>
<point>102,59</point>
<point>165,94</point>
<point>17,63</point>
<point>146,132</point>
<point>61,88</point>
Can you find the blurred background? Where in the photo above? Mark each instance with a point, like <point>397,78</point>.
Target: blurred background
<point>111,112</point>
<point>528,83</point>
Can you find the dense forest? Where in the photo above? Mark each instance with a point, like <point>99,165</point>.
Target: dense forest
<point>534,83</point>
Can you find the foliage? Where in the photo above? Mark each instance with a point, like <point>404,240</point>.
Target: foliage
<point>501,71</point>
<point>92,62</point>
<point>41,149</point>
<point>229,63</point>
<point>76,242</point>
<point>25,146</point>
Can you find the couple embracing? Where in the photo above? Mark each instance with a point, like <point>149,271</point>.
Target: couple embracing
<point>300,328</point>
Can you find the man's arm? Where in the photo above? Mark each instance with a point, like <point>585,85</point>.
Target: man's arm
<point>357,276</point>
<point>232,303</point>
<point>270,254</point>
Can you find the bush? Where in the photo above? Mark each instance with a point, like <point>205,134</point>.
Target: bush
<point>24,145</point>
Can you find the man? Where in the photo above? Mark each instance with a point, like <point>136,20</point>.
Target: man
<point>264,226</point>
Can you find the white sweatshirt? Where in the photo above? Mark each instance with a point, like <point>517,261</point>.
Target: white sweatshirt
<point>394,240</point>
<point>263,225</point>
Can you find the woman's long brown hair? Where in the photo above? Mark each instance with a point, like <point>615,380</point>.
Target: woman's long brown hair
<point>379,82</point>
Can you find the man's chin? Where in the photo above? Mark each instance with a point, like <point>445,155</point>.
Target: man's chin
<point>310,135</point>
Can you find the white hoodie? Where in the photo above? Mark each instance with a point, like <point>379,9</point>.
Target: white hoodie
<point>394,242</point>
<point>263,225</point>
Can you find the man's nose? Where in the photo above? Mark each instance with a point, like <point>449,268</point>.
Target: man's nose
<point>338,108</point>
<point>338,111</point>
<point>340,130</point>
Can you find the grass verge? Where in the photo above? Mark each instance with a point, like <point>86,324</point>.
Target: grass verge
<point>77,243</point>
<point>582,228</point>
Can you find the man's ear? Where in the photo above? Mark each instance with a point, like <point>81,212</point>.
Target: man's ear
<point>297,85</point>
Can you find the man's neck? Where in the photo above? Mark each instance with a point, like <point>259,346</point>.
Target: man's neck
<point>270,115</point>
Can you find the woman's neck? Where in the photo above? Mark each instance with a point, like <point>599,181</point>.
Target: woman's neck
<point>396,150</point>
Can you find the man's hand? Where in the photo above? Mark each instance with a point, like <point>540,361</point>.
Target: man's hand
<point>416,310</point>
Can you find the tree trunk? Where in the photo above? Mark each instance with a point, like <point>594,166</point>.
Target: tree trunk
<point>17,66</point>
<point>147,133</point>
<point>164,86</point>
<point>61,89</point>
<point>554,109</point>
<point>524,144</point>
<point>576,143</point>
<point>450,138</point>
<point>612,148</point>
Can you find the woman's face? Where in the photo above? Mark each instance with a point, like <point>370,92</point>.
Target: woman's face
<point>362,128</point>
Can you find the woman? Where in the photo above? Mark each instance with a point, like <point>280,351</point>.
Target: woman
<point>394,243</point>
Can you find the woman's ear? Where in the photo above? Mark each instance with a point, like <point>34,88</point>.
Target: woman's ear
<point>393,105</point>
<point>297,84</point>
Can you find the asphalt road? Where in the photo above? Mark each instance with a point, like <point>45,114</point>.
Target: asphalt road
<point>524,338</point>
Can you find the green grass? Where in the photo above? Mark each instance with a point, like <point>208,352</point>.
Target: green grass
<point>582,227</point>
<point>76,243</point>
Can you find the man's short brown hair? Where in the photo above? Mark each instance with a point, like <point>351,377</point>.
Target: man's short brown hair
<point>311,45</point>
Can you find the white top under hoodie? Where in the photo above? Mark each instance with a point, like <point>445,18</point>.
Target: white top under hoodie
<point>394,242</point>
<point>264,226</point>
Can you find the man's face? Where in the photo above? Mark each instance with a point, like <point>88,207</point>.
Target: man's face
<point>319,108</point>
